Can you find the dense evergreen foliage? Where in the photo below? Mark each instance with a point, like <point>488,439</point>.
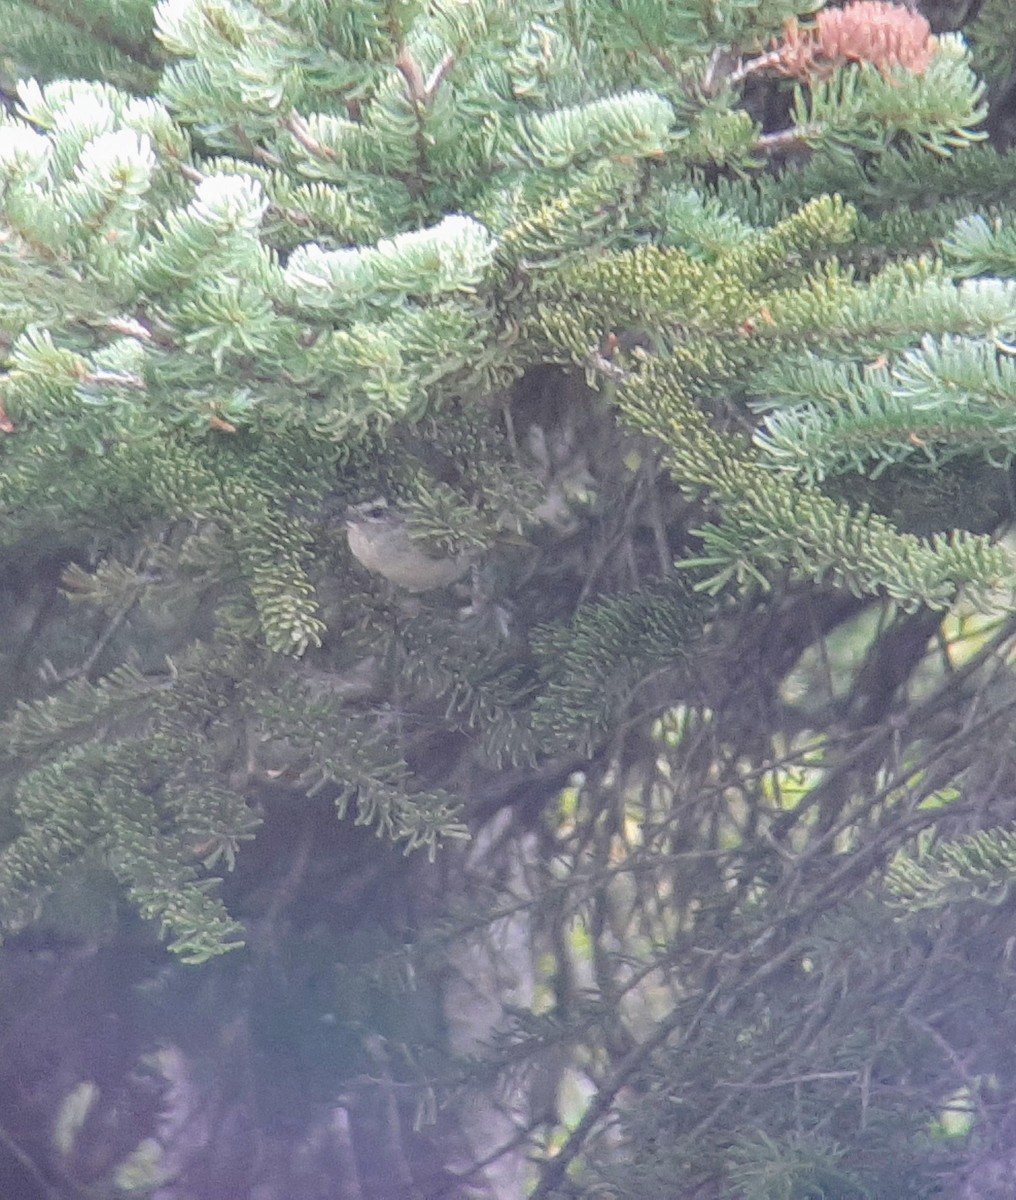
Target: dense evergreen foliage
<point>668,853</point>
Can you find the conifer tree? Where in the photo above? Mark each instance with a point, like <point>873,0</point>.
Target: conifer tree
<point>668,850</point>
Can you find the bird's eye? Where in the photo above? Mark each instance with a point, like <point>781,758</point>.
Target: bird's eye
<point>377,511</point>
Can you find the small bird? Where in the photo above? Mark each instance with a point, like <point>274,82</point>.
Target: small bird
<point>380,540</point>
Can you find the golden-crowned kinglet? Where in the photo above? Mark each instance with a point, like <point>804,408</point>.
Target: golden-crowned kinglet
<point>380,539</point>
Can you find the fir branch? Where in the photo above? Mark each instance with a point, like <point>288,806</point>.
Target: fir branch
<point>592,667</point>
<point>952,397</point>
<point>360,764</point>
<point>79,711</point>
<point>980,867</point>
<point>767,520</point>
<point>979,247</point>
